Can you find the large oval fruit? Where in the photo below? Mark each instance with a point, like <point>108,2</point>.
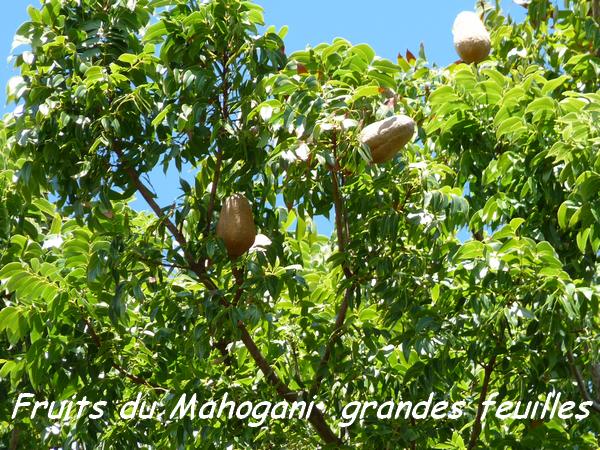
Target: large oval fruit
<point>236,225</point>
<point>387,137</point>
<point>471,39</point>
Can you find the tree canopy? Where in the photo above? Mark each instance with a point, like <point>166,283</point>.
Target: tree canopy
<point>102,301</point>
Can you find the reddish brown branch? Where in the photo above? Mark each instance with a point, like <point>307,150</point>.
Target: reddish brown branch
<point>134,378</point>
<point>476,430</point>
<point>581,382</point>
<point>149,197</point>
<point>219,162</point>
<point>335,335</point>
<point>238,274</point>
<point>14,439</point>
<point>194,266</point>
<point>341,226</point>
<point>341,222</point>
<point>316,418</point>
<point>213,191</point>
<point>595,369</point>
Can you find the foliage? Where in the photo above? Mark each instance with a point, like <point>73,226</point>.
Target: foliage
<point>103,301</point>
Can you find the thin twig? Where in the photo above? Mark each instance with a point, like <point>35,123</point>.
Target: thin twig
<point>476,430</point>
<point>134,378</point>
<point>14,439</point>
<point>297,375</point>
<point>581,383</point>
<point>195,267</point>
<point>595,370</point>
<point>316,418</point>
<point>341,225</point>
<point>335,335</point>
<point>219,162</point>
<point>213,191</point>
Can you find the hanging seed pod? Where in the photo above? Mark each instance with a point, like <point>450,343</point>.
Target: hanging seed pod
<point>387,137</point>
<point>236,225</point>
<point>471,39</point>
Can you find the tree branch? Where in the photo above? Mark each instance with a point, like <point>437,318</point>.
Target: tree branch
<point>14,439</point>
<point>219,162</point>
<point>213,192</point>
<point>134,378</point>
<point>149,197</point>
<point>316,418</point>
<point>341,225</point>
<point>335,335</point>
<point>195,267</point>
<point>581,382</point>
<point>476,431</point>
<point>595,369</point>
<point>238,274</point>
<point>341,222</point>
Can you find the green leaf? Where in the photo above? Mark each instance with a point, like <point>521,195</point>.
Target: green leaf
<point>45,206</point>
<point>442,95</point>
<point>100,141</point>
<point>588,185</point>
<point>155,33</point>
<point>368,314</point>
<point>383,79</point>
<point>161,116</point>
<point>563,214</point>
<point>9,317</point>
<point>118,307</point>
<point>365,91</point>
<point>94,74</point>
<point>582,239</point>
<point>552,85</point>
<point>10,269</point>
<point>365,51</point>
<point>469,250</point>
<point>513,126</point>
<point>540,107</point>
<point>514,96</point>
<point>56,226</point>
<point>569,306</point>
<point>128,58</point>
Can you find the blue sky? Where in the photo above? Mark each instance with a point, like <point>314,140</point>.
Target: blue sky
<point>389,26</point>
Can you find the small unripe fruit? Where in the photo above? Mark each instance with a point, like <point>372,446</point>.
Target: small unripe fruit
<point>387,137</point>
<point>236,225</point>
<point>471,39</point>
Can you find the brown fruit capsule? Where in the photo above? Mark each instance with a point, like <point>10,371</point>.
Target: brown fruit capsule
<point>387,137</point>
<point>471,39</point>
<point>236,225</point>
